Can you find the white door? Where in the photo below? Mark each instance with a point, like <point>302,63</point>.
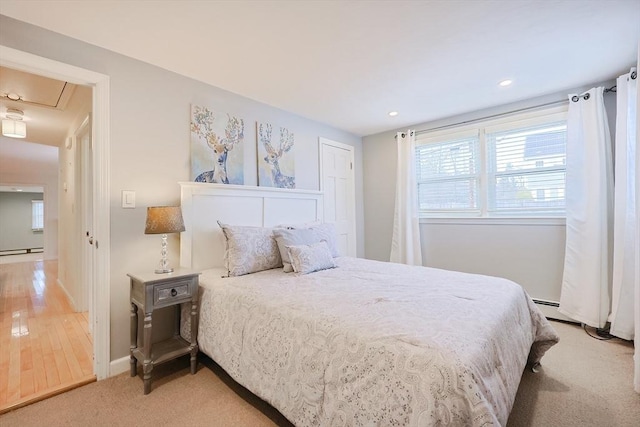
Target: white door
<point>337,182</point>
<point>87,253</point>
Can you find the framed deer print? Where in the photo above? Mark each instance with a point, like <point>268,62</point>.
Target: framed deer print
<point>217,153</point>
<point>276,160</point>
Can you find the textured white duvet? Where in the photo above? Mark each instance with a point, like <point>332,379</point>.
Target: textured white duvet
<point>373,343</point>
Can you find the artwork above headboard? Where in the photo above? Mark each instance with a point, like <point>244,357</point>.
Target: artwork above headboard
<point>203,205</point>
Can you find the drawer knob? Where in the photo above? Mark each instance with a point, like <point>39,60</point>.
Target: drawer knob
<point>174,292</point>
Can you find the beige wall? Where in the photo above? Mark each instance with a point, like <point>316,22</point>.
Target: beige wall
<point>149,144</point>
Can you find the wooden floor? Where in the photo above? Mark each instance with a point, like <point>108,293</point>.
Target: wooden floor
<point>45,347</point>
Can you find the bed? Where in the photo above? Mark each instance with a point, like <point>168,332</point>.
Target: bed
<point>364,343</point>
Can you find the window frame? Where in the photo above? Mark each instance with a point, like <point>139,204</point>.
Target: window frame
<point>483,127</point>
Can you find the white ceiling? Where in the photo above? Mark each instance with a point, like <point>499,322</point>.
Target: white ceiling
<point>348,63</point>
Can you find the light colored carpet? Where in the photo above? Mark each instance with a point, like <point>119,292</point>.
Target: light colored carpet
<point>583,382</point>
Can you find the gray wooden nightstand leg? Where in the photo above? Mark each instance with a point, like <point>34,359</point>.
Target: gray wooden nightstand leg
<point>147,365</point>
<point>134,338</point>
<point>194,360</point>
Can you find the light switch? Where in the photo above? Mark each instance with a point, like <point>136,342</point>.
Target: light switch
<point>128,199</point>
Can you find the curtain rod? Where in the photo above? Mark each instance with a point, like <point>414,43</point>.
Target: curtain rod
<point>612,89</point>
<point>493,116</point>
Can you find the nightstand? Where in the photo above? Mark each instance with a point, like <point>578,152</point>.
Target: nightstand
<point>150,291</point>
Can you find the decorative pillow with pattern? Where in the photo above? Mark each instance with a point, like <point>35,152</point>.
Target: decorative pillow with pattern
<point>290,237</point>
<point>249,249</point>
<point>309,258</point>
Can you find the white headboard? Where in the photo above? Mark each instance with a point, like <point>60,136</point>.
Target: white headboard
<point>202,243</point>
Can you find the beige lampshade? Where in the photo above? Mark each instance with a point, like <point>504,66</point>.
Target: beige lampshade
<point>164,220</point>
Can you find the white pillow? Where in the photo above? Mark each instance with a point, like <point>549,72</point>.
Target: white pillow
<point>290,237</point>
<point>249,249</point>
<point>309,258</point>
<point>327,232</point>
<point>324,231</point>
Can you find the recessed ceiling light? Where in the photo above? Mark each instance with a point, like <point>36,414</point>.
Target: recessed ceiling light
<point>393,113</point>
<point>505,82</point>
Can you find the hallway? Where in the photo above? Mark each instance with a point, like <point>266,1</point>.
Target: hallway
<point>45,347</point>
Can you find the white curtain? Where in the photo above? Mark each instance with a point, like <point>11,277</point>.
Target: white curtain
<point>625,254</point>
<point>585,292</point>
<point>405,243</point>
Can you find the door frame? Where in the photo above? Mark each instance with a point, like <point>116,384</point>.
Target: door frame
<point>100,283</point>
<point>322,142</point>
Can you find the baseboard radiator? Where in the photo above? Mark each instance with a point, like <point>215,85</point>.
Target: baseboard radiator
<point>20,251</point>
<point>550,310</point>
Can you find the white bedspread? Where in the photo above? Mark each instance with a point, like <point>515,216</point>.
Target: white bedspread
<point>373,343</point>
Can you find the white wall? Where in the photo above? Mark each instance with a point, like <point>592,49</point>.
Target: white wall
<point>149,141</point>
<point>530,254</point>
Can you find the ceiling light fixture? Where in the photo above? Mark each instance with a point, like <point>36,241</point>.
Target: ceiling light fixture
<point>13,126</point>
<point>393,113</point>
<point>505,82</point>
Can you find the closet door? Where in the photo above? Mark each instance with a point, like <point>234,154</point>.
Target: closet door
<point>337,182</point>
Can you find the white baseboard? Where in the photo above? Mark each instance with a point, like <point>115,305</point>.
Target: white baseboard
<point>69,297</point>
<point>118,366</point>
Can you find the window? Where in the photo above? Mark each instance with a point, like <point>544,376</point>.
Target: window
<point>509,168</point>
<point>37,215</point>
<point>526,169</point>
<point>448,174</point>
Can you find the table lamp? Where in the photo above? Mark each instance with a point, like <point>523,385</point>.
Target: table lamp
<point>164,220</point>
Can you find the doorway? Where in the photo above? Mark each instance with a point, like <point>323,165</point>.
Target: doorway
<point>99,280</point>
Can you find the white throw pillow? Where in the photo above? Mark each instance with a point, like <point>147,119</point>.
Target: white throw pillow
<point>324,231</point>
<point>290,237</point>
<point>327,232</point>
<point>309,258</point>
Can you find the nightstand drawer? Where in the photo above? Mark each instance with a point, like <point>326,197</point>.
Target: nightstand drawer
<point>171,293</point>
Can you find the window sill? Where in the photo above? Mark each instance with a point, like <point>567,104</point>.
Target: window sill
<point>547,221</point>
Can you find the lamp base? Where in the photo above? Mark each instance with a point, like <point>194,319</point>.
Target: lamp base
<point>164,270</point>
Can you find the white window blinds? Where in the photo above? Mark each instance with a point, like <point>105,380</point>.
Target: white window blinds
<point>511,167</point>
<point>527,170</point>
<point>448,175</point>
